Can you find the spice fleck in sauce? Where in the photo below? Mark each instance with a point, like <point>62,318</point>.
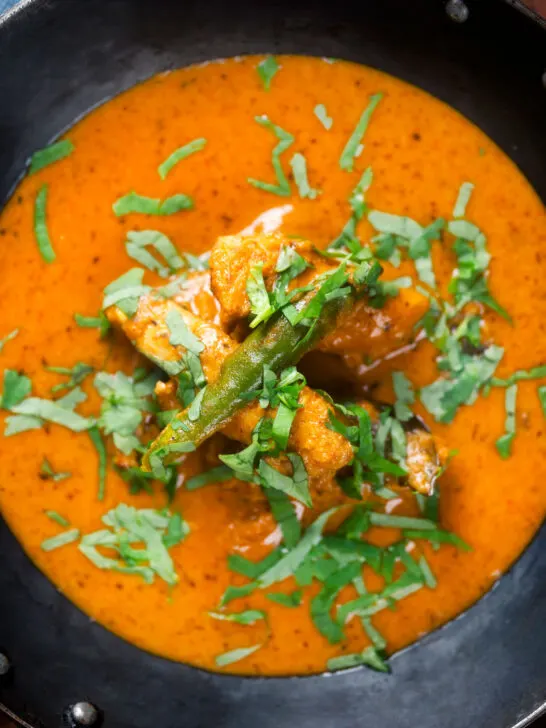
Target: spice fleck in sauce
<point>421,151</point>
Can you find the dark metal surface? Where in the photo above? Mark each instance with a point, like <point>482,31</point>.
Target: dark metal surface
<point>59,58</point>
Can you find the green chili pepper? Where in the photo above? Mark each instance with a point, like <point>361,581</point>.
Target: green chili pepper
<point>276,343</point>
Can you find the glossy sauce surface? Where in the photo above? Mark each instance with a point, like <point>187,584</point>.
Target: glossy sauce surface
<point>421,151</point>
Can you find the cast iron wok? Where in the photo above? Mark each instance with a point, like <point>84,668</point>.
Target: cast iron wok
<point>59,58</point>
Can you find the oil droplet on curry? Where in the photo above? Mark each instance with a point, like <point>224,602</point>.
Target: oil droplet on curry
<point>417,189</point>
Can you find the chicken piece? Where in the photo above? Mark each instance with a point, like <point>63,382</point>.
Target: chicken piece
<point>362,332</point>
<point>426,457</point>
<point>196,295</point>
<point>232,259</point>
<point>320,448</point>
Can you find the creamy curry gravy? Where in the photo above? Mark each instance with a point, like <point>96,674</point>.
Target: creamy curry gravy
<point>421,151</point>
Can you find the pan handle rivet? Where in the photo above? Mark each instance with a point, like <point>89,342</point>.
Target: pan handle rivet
<point>84,714</point>
<point>5,665</point>
<point>457,11</point>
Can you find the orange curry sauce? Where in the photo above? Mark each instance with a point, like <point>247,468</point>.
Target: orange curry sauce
<point>420,151</point>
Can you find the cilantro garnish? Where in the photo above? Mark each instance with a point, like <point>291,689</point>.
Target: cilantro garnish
<point>75,374</point>
<point>369,657</point>
<point>465,192</point>
<point>322,116</point>
<point>286,600</point>
<point>40,226</point>
<point>135,203</point>
<point>100,447</point>
<point>125,291</point>
<point>504,443</point>
<point>7,338</point>
<point>282,187</point>
<point>50,154</point>
<point>47,472</point>
<point>93,322</point>
<point>249,616</point>
<point>541,391</point>
<point>179,154</point>
<point>136,248</point>
<point>228,658</point>
<point>266,71</point>
<point>57,518</point>
<point>405,396</point>
<point>354,145</point>
<point>63,539</point>
<point>298,164</point>
<point>189,370</point>
<point>154,532</point>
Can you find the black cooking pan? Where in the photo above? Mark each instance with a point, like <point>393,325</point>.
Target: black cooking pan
<point>58,59</point>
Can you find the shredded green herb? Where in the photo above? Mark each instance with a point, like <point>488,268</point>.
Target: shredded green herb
<point>125,291</point>
<point>216,475</point>
<point>504,443</point>
<point>228,658</point>
<point>40,226</point>
<point>249,616</point>
<point>465,192</point>
<point>100,447</point>
<point>50,154</point>
<point>47,472</point>
<point>63,539</point>
<point>354,145</point>
<point>76,375</point>
<point>135,203</point>
<point>9,337</point>
<point>299,170</point>
<point>137,242</point>
<point>179,154</point>
<point>99,322</point>
<point>286,600</point>
<point>282,188</point>
<point>322,115</point>
<point>57,518</point>
<point>369,657</point>
<point>266,71</point>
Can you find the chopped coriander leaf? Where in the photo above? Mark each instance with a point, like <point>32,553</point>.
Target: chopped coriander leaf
<point>541,391</point>
<point>194,411</point>
<point>299,170</point>
<point>504,443</point>
<point>369,657</point>
<point>285,515</point>
<point>465,192</point>
<point>40,226</point>
<point>228,658</point>
<point>266,70</point>
<point>253,569</point>
<point>7,338</point>
<point>520,375</point>
<point>47,472</point>
<point>236,592</point>
<point>76,375</point>
<point>323,602</point>
<point>322,116</point>
<point>155,531</point>
<point>93,322</point>
<point>354,144</point>
<point>216,475</point>
<point>180,334</point>
<point>136,249</point>
<point>45,409</point>
<point>179,154</point>
<point>405,396</point>
<point>250,616</point>
<point>125,291</point>
<point>296,485</point>
<point>135,203</point>
<point>50,154</point>
<point>399,225</point>
<point>288,564</point>
<point>443,397</point>
<point>98,443</point>
<point>286,600</point>
<point>428,576</point>
<point>21,423</point>
<point>55,542</point>
<point>54,516</point>
<point>282,187</point>
<point>391,521</point>
<point>16,387</point>
<point>124,400</point>
<point>260,304</point>
<point>437,537</point>
<point>157,466</point>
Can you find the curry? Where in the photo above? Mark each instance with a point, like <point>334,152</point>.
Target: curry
<point>319,391</point>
